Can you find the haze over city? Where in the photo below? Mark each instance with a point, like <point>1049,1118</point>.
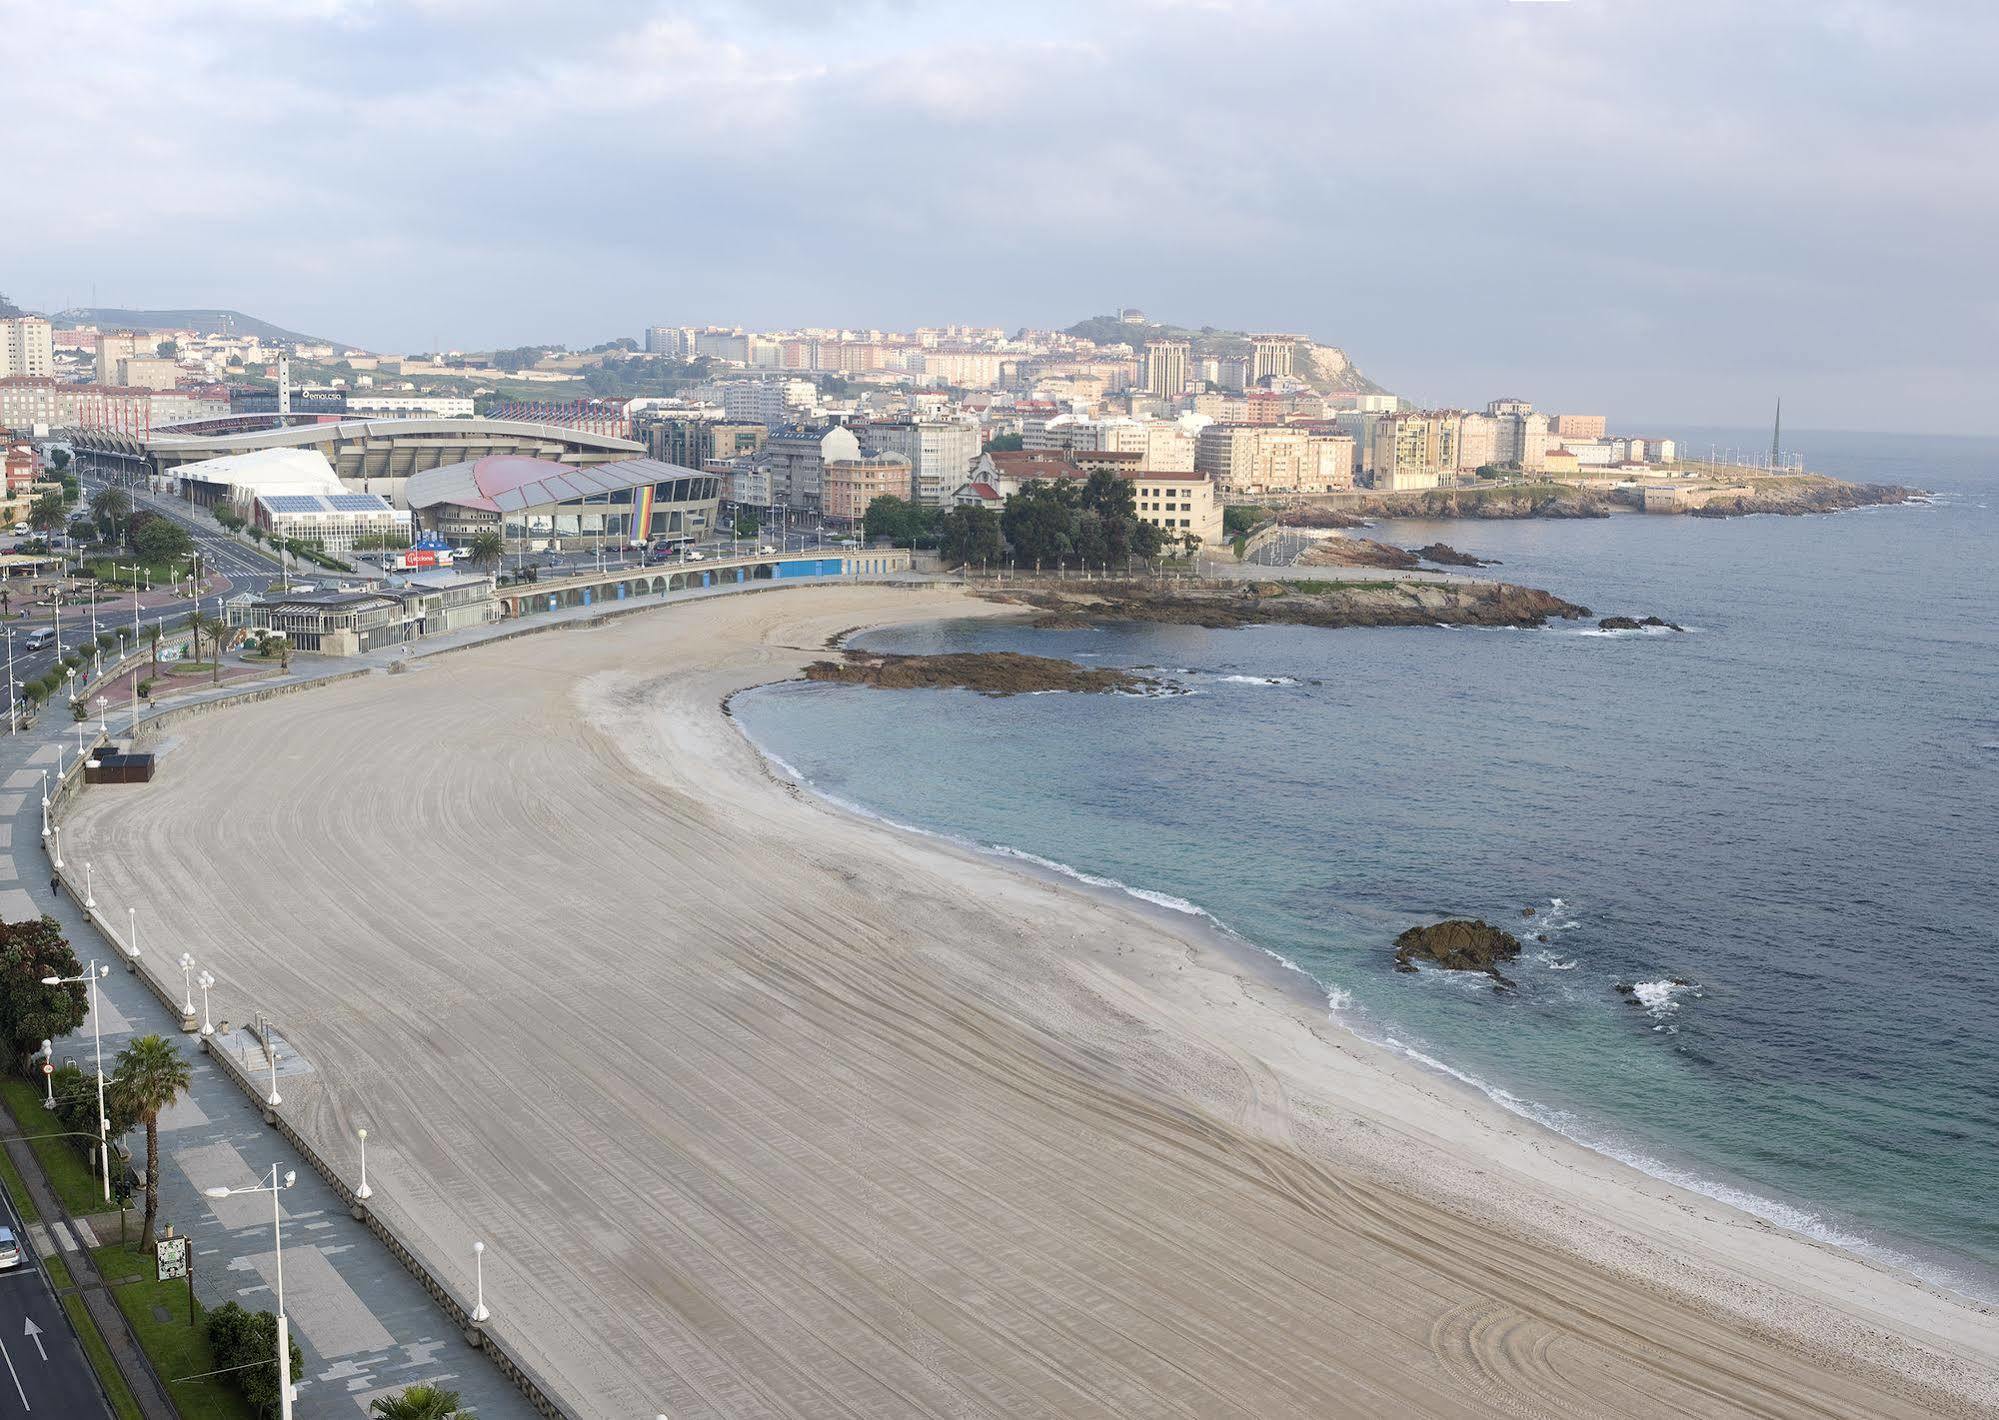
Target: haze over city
<point>1672,212</point>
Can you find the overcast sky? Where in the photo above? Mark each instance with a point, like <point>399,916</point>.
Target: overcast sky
<point>1662,209</point>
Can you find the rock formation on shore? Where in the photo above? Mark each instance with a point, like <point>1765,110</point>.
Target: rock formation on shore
<point>1538,500</point>
<point>1804,493</point>
<point>1297,603</point>
<point>1458,945</point>
<point>987,672</point>
<point>1444,555</point>
<point>1356,552</point>
<point>1635,623</point>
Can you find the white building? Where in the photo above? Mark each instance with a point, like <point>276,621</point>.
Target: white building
<point>941,453</point>
<point>368,404</point>
<point>337,523</point>
<point>27,347</point>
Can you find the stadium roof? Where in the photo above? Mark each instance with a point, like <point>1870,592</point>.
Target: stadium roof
<point>506,483</point>
<point>268,471</point>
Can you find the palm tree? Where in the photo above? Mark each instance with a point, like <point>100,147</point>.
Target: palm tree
<point>488,548</point>
<point>151,1075</point>
<point>46,513</point>
<point>110,505</point>
<point>153,634</point>
<point>218,631</point>
<point>419,1402</point>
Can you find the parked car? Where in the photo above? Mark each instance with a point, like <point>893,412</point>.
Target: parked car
<point>697,556</point>
<point>10,1250</point>
<point>20,527</point>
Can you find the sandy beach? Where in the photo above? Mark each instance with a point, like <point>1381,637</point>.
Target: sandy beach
<point>765,1110</point>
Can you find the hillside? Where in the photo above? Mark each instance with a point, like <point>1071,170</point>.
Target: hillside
<point>1325,367</point>
<point>207,321</point>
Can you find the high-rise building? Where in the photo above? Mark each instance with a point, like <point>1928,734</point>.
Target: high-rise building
<point>692,442</point>
<point>1269,357</point>
<point>1166,368</point>
<point>940,453</point>
<point>1249,458</point>
<point>27,347</point>
<point>673,340</point>
<point>797,460</point>
<point>113,346</point>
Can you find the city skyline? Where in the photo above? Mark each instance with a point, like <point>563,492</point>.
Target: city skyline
<point>1666,209</point>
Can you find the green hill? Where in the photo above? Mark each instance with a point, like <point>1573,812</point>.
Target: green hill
<point>207,321</point>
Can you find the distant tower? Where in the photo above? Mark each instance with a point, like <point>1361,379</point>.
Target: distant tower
<point>284,384</point>
<point>1776,432</point>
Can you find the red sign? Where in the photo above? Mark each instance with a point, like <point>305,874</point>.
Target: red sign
<point>47,1068</point>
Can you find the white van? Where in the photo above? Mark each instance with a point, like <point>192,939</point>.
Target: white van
<point>41,636</point>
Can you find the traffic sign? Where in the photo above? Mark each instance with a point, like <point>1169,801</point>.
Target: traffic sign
<point>172,1253</point>
<point>47,1068</point>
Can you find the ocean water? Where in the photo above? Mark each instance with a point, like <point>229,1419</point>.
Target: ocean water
<point>1794,806</point>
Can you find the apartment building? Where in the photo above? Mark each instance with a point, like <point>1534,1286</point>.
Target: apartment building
<point>27,347</point>
<point>1166,368</point>
<point>1248,458</point>
<point>797,459</point>
<point>940,453</point>
<point>1579,426</point>
<point>1415,449</point>
<point>848,486</point>
<point>1179,504</point>
<point>148,372</point>
<point>694,442</point>
<point>117,345</point>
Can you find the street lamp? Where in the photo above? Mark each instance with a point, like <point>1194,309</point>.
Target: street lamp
<point>92,974</point>
<point>274,1188</point>
<point>103,728</point>
<point>187,991</point>
<point>89,897</point>
<point>204,981</point>
<point>58,858</point>
<point>479,1312</point>
<point>131,939</point>
<point>364,1192</point>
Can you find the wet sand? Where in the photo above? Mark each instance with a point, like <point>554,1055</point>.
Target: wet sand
<point>765,1110</point>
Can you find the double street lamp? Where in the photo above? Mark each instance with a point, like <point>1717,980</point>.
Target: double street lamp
<point>92,974</point>
<point>274,1188</point>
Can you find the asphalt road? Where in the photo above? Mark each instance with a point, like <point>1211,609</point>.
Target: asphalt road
<point>43,1371</point>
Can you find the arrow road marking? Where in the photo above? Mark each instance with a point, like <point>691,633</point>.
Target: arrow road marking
<point>35,1334</point>
<point>16,1375</point>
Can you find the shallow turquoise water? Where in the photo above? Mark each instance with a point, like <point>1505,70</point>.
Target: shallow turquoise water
<point>1794,806</point>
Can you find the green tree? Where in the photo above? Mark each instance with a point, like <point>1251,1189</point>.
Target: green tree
<point>217,631</point>
<point>1039,522</point>
<point>746,523</point>
<point>161,540</point>
<point>110,507</point>
<point>1004,444</point>
<point>420,1402</point>
<point>971,534</point>
<point>58,458</point>
<point>30,1012</point>
<point>151,1074</point>
<point>153,634</point>
<point>245,1343</point>
<point>488,548</point>
<point>1240,518</point>
<point>47,514</point>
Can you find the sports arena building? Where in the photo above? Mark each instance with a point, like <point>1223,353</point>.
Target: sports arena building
<point>367,455</point>
<point>536,503</point>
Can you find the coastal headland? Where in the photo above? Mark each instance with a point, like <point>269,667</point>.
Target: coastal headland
<point>1789,494</point>
<point>763,1109</point>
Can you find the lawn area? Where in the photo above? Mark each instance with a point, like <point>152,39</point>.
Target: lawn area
<point>100,1359</point>
<point>76,1187</point>
<point>176,1348</point>
<point>17,1189</point>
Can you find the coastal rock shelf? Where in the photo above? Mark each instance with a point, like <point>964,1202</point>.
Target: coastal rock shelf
<point>987,672</point>
<point>1297,603</point>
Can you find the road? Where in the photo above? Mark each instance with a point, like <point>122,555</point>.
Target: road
<point>43,1371</point>
<point>246,569</point>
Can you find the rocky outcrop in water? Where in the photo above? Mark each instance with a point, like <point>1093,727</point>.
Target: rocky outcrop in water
<point>987,672</point>
<point>1356,552</point>
<point>1804,493</point>
<point>1297,602</point>
<point>1458,945</point>
<point>1444,555</point>
<point>1635,623</point>
<point>1537,500</point>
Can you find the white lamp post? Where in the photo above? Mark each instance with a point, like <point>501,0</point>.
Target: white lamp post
<point>131,939</point>
<point>363,1192</point>
<point>187,991</point>
<point>479,1312</point>
<point>89,898</point>
<point>204,981</point>
<point>45,791</point>
<point>91,974</point>
<point>58,858</point>
<point>271,1053</point>
<point>274,1188</point>
<point>103,728</point>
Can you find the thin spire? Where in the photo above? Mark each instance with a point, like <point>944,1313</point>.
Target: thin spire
<point>1776,433</point>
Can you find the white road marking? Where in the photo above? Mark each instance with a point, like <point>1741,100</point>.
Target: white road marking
<point>34,1334</point>
<point>16,1375</point>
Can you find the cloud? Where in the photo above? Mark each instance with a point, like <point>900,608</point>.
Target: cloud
<point>1661,207</point>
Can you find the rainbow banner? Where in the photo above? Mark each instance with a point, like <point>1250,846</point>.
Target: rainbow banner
<point>642,499</point>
